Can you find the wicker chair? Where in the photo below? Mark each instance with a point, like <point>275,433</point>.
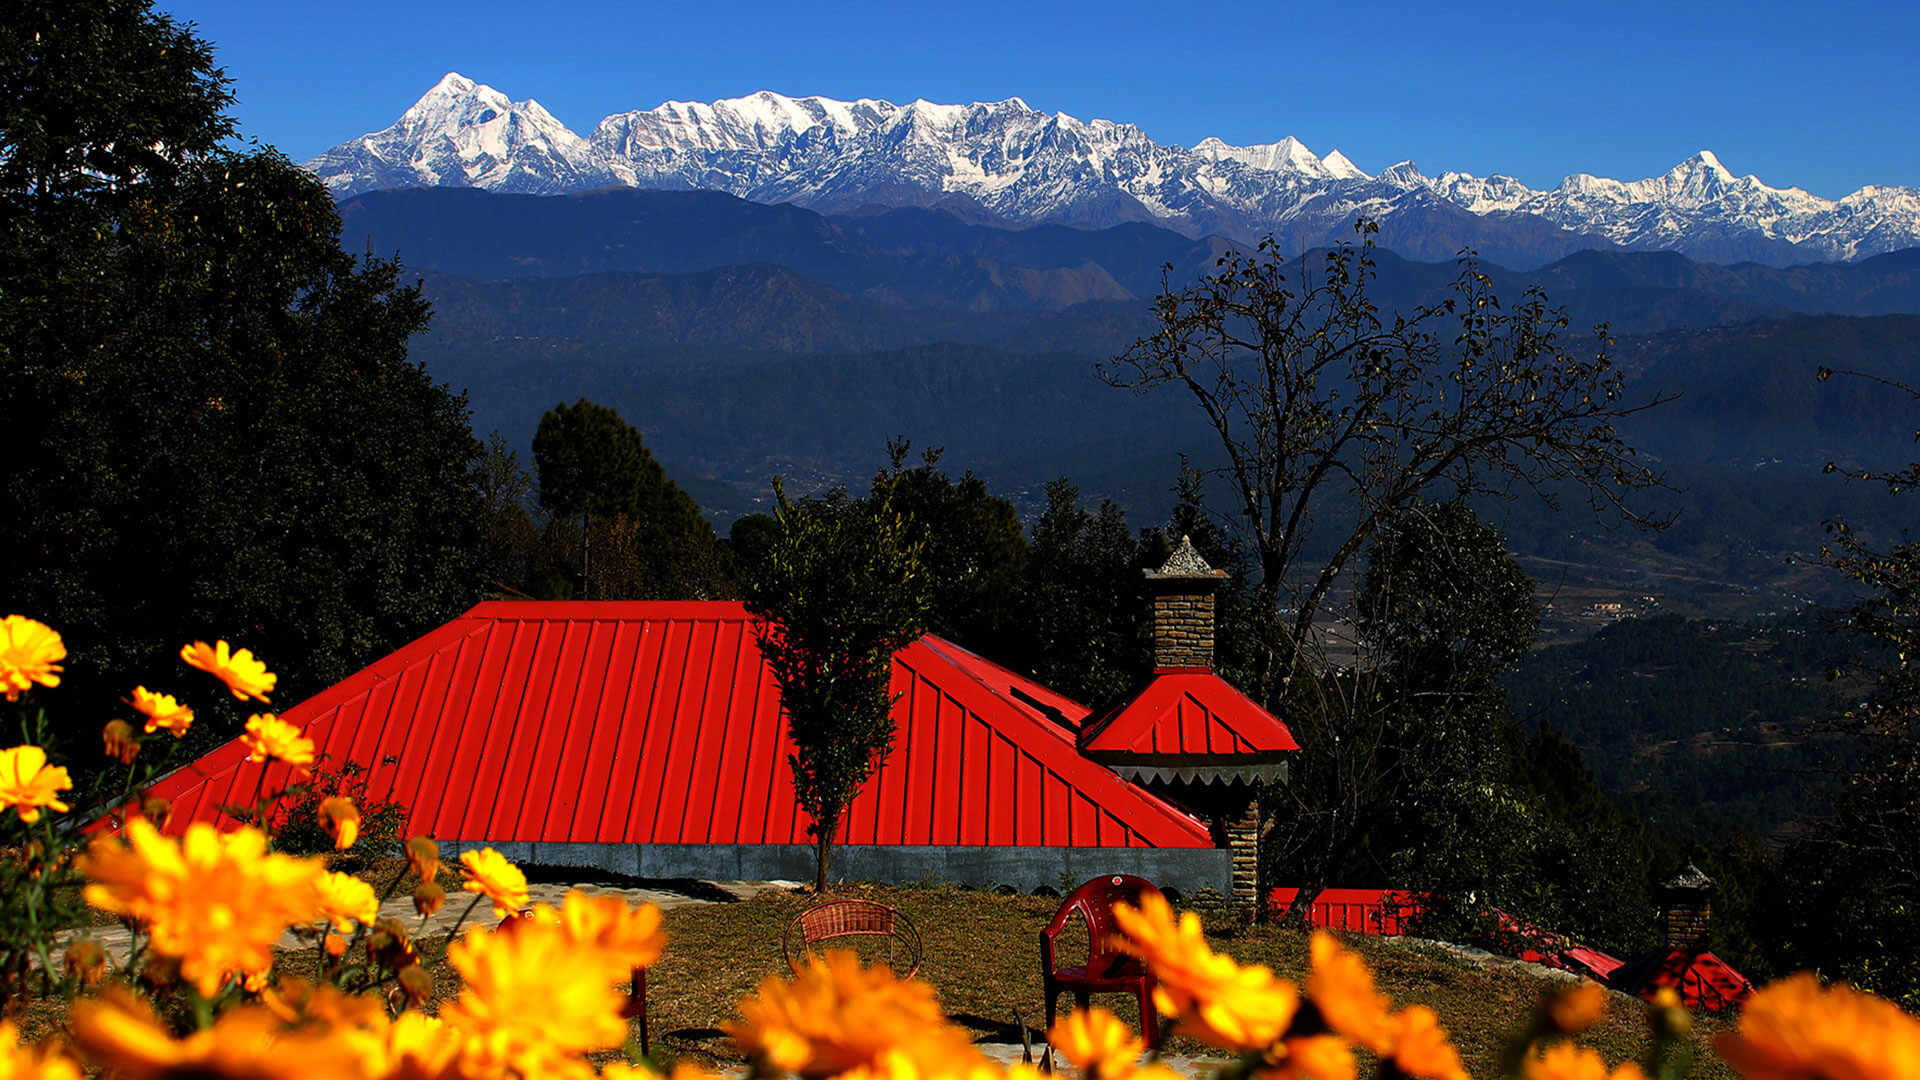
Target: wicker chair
<point>1106,971</point>
<point>854,918</point>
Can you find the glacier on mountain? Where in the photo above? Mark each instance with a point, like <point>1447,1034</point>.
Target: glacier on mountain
<point>1006,160</point>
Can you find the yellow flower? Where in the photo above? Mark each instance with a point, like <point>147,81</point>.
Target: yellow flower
<point>490,874</point>
<point>627,937</point>
<point>419,1047</point>
<point>162,711</point>
<point>525,1002</point>
<point>836,1016</point>
<point>423,857</point>
<point>1795,1030</point>
<point>117,738</point>
<point>30,652</point>
<point>341,819</point>
<point>1577,1009</point>
<point>1215,999</point>
<point>268,736</point>
<point>28,783</point>
<point>38,1062</point>
<point>1421,1047</point>
<point>1311,1057</point>
<point>1098,1043</point>
<point>216,902</point>
<point>120,1034</point>
<point>345,899</point>
<point>1342,989</point>
<point>244,675</point>
<point>1565,1061</point>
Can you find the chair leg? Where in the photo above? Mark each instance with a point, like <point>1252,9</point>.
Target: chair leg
<point>638,995</point>
<point>1149,1020</point>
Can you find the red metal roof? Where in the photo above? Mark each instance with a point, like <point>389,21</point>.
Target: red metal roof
<point>1703,980</point>
<point>1359,911</point>
<point>659,723</point>
<point>1190,712</point>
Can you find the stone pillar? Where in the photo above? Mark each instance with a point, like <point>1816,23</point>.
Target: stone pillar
<point>1686,911</point>
<point>1243,841</point>
<point>1183,610</point>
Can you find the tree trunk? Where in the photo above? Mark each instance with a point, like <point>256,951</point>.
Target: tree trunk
<point>821,847</point>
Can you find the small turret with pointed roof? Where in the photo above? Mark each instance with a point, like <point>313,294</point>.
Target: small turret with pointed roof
<point>1183,610</point>
<point>1686,910</point>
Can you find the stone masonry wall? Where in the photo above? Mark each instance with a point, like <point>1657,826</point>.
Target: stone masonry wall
<point>1243,841</point>
<point>1183,630</point>
<point>1686,925</point>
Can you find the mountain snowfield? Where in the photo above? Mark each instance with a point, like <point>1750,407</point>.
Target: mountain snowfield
<point>1005,160</point>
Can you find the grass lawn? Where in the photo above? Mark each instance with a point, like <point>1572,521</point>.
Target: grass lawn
<point>982,952</point>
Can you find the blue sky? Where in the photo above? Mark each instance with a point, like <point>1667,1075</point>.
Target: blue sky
<point>1825,97</point>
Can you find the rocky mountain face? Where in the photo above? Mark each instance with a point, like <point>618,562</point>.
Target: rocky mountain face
<point>1006,162</point>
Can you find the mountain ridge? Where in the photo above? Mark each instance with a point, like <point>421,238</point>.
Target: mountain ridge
<point>1029,167</point>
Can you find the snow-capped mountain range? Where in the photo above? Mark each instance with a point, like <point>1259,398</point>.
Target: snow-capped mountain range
<point>1005,160</point>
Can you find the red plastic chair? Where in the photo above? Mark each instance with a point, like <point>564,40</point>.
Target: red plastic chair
<point>1106,971</point>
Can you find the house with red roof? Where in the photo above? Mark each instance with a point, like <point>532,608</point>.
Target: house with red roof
<point>646,738</point>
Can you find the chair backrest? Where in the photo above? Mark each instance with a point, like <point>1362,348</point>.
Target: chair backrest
<point>851,918</point>
<point>1093,902</point>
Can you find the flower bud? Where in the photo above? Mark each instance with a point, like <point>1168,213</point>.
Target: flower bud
<point>158,810</point>
<point>86,961</point>
<point>1577,1008</point>
<point>429,898</point>
<point>341,819</point>
<point>417,984</point>
<point>120,741</point>
<point>423,855</point>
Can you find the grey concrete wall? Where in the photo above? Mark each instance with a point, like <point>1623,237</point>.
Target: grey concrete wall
<point>1024,868</point>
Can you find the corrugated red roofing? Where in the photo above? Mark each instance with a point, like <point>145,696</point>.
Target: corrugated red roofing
<point>1190,712</point>
<point>659,723</point>
<point>1703,980</point>
<point>1358,911</point>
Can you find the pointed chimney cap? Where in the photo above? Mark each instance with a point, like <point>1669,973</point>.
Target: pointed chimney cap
<point>1689,878</point>
<point>1185,562</point>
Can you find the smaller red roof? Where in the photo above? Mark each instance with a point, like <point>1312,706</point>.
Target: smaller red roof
<point>1185,724</point>
<point>1703,980</point>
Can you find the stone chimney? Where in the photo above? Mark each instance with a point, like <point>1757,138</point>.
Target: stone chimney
<point>1183,610</point>
<point>1686,910</point>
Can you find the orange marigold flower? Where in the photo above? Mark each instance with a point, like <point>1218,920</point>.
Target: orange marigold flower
<point>1566,1061</point>
<point>1421,1047</point>
<point>341,819</point>
<point>1098,1043</point>
<point>119,1033</point>
<point>1311,1057</point>
<point>28,783</point>
<point>627,937</point>
<point>268,736</point>
<point>162,711</point>
<point>1796,1030</point>
<point>30,652</point>
<point>1342,989</point>
<point>243,674</point>
<point>1216,1000</point>
<point>836,1016</point>
<point>38,1062</point>
<point>525,1001</point>
<point>215,901</point>
<point>490,874</point>
<point>423,857</point>
<point>1574,1010</point>
<point>117,738</point>
<point>345,899</point>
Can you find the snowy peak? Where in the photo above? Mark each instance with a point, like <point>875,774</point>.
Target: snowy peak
<point>1028,166</point>
<point>1289,155</point>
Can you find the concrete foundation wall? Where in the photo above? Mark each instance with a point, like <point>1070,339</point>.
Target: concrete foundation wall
<point>1024,868</point>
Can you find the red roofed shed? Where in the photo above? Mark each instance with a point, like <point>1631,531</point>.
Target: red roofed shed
<point>646,738</point>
